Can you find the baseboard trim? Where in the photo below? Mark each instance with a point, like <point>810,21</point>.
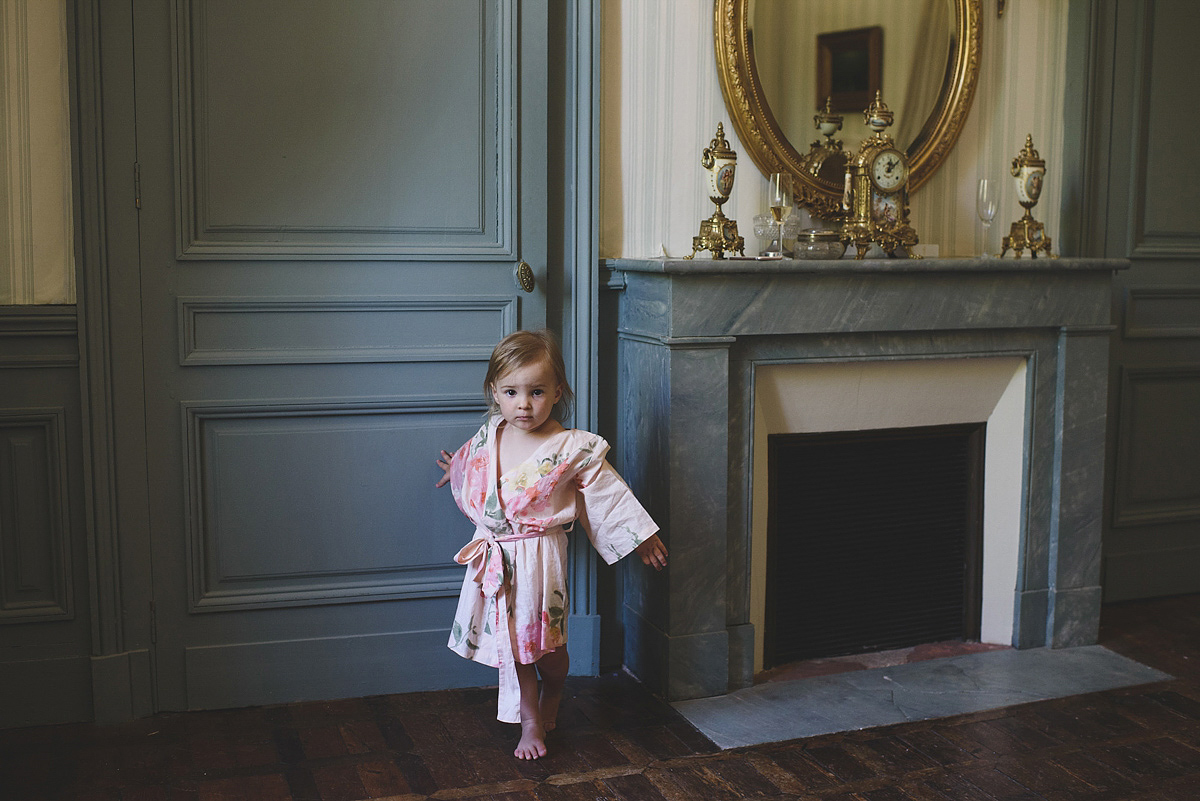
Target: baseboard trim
<point>287,671</point>
<point>122,686</point>
<point>1151,574</point>
<point>41,692</point>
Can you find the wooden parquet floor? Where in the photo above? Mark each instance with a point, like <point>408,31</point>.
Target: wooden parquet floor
<point>618,742</point>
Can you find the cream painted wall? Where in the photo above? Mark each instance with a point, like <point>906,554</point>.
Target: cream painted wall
<point>661,102</point>
<point>37,251</point>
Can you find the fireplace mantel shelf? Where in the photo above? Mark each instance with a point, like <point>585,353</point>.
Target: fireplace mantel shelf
<point>690,336</point>
<point>720,298</point>
<point>938,265</point>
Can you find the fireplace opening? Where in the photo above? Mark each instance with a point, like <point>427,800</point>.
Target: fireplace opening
<point>874,540</point>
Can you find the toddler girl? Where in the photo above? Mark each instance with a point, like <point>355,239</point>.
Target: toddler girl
<point>523,480</point>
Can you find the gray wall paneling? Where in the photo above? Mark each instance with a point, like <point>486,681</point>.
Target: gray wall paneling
<point>45,634</point>
<point>1142,204</point>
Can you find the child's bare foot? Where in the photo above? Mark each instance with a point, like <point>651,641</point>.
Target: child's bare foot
<point>533,741</point>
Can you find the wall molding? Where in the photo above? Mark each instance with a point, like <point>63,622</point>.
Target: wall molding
<point>1166,246</point>
<point>24,321</point>
<point>1164,225</point>
<point>35,337</point>
<point>35,549</point>
<point>1162,312</point>
<point>1127,509</point>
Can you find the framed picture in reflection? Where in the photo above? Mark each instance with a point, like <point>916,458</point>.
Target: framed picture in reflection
<point>849,67</point>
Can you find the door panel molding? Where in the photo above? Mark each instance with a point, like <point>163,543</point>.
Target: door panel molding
<point>229,330</point>
<point>256,135</point>
<point>306,504</point>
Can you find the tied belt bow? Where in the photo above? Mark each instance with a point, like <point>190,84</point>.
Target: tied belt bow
<point>485,556</point>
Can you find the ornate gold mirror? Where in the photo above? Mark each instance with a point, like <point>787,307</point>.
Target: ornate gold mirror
<point>775,56</point>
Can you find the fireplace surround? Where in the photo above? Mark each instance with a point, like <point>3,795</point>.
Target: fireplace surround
<point>691,338</point>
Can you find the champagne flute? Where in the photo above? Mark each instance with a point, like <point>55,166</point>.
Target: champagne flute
<point>985,207</point>
<point>779,200</point>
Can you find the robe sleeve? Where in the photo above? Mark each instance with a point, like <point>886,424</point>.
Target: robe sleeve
<point>614,520</point>
<point>468,473</point>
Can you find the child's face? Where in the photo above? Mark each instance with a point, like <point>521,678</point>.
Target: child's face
<point>526,395</point>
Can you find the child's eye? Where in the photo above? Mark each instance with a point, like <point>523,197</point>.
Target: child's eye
<point>539,392</point>
<point>510,392</point>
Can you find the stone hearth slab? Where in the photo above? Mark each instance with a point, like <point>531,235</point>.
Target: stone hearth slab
<point>937,688</point>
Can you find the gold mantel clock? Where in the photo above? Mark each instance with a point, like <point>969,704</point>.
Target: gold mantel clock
<point>875,199</point>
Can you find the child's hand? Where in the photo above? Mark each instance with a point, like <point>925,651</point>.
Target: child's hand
<point>653,552</point>
<point>444,463</point>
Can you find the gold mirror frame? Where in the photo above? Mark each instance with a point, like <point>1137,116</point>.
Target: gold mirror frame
<point>770,149</point>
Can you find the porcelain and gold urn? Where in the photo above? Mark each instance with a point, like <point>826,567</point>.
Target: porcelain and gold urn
<point>1028,171</point>
<point>718,233</point>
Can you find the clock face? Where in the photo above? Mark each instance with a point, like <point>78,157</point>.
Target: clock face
<point>889,170</point>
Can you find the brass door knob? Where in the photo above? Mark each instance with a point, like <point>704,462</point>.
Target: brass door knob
<point>524,275</point>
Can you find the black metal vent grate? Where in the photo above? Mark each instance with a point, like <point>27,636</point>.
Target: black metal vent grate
<point>874,540</point>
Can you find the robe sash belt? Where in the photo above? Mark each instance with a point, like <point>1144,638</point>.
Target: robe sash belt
<point>485,556</point>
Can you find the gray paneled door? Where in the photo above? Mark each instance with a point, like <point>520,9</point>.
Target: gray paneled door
<point>334,197</point>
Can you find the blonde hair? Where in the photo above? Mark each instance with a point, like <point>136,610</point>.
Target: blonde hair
<point>521,349</point>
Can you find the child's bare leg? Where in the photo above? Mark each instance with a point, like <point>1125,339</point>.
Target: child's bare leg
<point>553,667</point>
<point>533,736</point>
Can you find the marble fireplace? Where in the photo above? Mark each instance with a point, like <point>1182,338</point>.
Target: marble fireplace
<point>714,355</point>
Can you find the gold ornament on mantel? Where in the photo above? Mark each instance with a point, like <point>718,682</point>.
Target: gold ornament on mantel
<point>1028,169</point>
<point>718,233</point>
<point>875,197</point>
<point>826,159</point>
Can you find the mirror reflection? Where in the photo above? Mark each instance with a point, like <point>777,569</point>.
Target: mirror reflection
<point>801,47</point>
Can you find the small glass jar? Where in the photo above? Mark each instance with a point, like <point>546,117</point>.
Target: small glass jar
<point>765,229</point>
<point>819,243</point>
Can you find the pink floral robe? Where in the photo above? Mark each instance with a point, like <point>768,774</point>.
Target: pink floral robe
<point>514,603</point>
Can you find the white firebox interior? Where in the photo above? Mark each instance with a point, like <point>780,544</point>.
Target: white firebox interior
<point>815,397</point>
